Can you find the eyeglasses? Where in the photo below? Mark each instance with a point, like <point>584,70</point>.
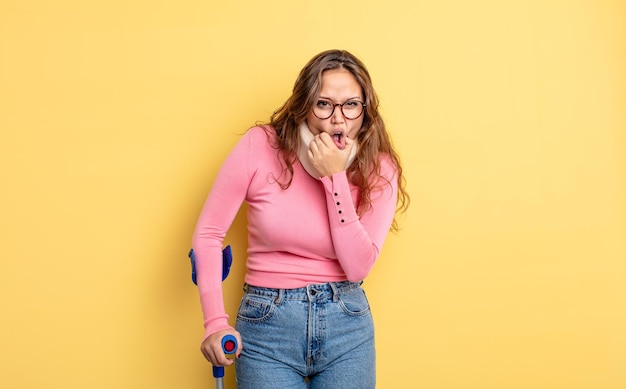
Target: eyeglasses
<point>351,109</point>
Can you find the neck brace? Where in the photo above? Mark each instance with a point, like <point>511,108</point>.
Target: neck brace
<point>306,137</point>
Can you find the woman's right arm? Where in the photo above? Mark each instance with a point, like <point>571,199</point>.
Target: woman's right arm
<point>220,208</point>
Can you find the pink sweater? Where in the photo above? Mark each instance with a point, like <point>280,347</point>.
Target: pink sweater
<point>306,234</point>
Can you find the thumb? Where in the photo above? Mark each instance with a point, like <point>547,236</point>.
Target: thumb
<point>349,151</point>
<point>349,144</point>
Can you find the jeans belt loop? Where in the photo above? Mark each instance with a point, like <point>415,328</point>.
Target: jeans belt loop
<point>333,286</point>
<point>281,296</point>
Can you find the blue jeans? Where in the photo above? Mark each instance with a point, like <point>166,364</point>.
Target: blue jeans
<point>317,337</point>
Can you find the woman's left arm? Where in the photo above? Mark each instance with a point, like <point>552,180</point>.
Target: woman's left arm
<point>358,240</point>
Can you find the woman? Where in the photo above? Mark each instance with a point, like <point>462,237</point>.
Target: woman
<point>323,183</point>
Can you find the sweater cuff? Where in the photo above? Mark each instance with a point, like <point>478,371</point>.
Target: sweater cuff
<point>216,318</point>
<point>341,209</point>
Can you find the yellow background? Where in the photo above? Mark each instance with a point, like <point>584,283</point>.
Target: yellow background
<point>510,270</point>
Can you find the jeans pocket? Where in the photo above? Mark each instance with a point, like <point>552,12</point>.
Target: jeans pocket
<point>254,308</point>
<point>354,302</point>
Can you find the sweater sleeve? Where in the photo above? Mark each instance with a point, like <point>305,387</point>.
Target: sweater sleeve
<point>358,240</point>
<point>220,208</point>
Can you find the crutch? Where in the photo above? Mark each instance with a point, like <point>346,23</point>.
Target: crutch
<point>229,342</point>
<point>229,346</point>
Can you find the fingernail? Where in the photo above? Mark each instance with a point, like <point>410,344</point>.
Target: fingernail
<point>238,355</point>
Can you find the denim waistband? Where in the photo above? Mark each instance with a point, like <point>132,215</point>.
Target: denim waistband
<point>330,290</point>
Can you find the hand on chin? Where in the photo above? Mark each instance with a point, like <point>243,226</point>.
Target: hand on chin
<point>329,155</point>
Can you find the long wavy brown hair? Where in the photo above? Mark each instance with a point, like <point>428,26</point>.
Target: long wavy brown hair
<point>372,137</point>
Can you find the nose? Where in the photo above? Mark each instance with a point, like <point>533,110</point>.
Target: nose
<point>337,116</point>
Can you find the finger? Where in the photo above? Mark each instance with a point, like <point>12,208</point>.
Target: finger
<point>314,147</point>
<point>240,344</point>
<point>213,352</point>
<point>349,145</point>
<point>208,353</point>
<point>325,139</point>
<point>220,357</point>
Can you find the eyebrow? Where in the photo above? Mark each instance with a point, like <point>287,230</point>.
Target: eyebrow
<point>348,99</point>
